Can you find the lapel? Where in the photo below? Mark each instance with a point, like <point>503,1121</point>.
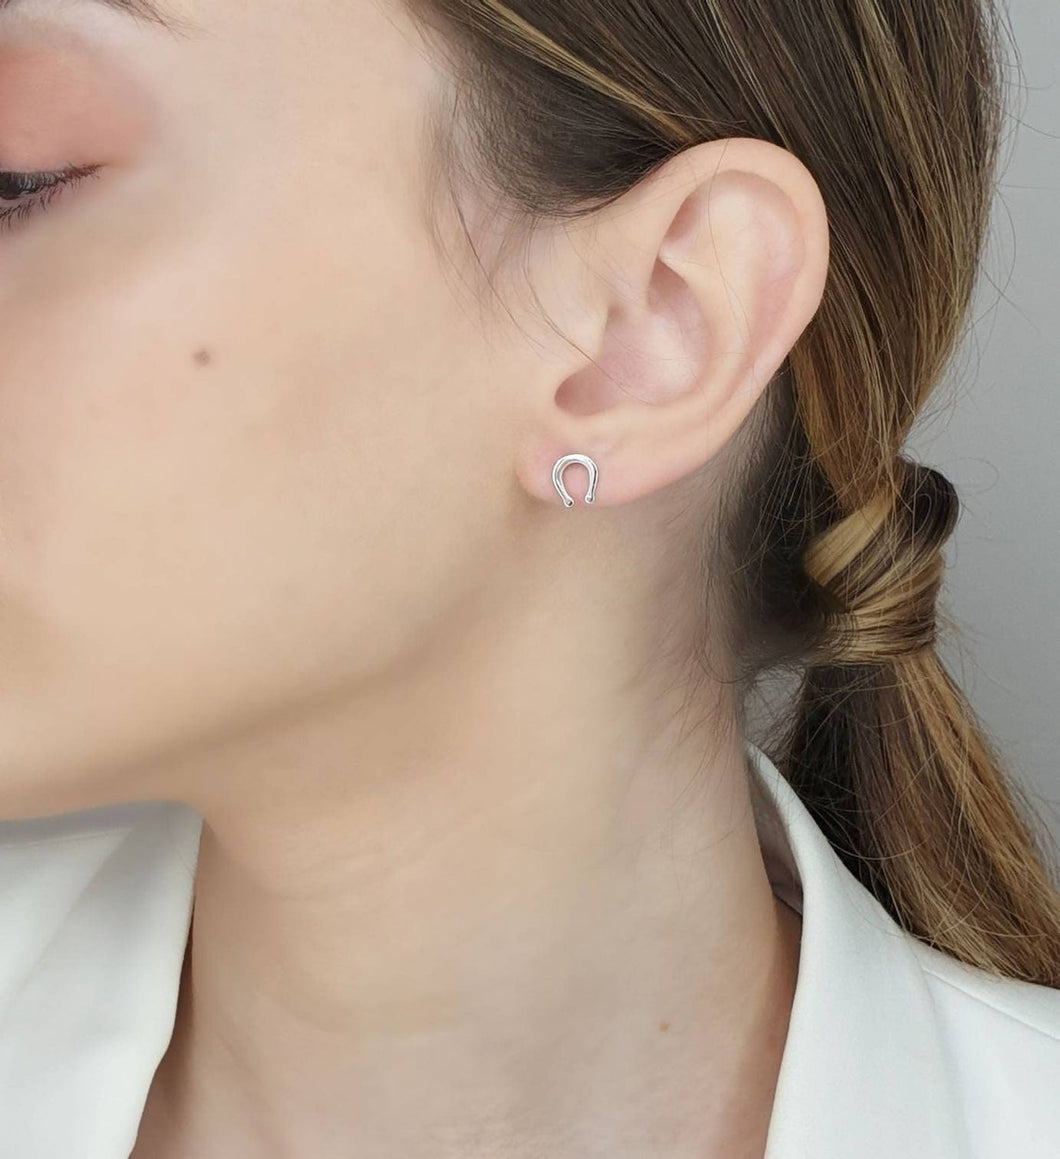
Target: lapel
<point>95,909</point>
<point>864,1074</point>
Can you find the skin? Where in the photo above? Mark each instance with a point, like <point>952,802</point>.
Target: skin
<point>278,538</point>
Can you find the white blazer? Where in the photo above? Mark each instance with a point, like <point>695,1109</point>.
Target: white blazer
<point>894,1050</point>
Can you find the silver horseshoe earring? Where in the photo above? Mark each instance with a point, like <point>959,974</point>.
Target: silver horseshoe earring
<point>557,477</point>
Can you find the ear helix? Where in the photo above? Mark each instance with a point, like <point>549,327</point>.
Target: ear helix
<point>561,465</point>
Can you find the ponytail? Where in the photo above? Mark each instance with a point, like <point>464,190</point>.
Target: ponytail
<point>893,766</point>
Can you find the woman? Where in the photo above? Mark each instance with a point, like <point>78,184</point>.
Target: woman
<point>422,427</point>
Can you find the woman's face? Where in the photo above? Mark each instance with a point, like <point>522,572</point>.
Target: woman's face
<point>248,427</point>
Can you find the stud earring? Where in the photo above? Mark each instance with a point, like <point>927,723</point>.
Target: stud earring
<point>557,477</point>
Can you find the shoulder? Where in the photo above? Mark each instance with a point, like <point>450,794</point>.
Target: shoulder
<point>1002,1038</point>
<point>978,994</point>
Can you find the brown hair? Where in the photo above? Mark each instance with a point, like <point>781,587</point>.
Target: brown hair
<point>831,539</point>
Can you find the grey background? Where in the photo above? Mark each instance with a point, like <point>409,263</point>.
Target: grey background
<point>993,428</point>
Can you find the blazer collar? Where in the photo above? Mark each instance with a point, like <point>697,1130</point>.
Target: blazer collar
<point>864,1070</point>
<point>96,907</point>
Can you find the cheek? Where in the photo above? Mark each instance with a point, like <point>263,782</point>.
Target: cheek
<point>288,512</point>
<point>190,545</point>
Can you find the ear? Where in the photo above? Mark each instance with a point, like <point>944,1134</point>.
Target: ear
<point>701,278</point>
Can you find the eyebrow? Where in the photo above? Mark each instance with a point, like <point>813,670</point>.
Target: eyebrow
<point>145,9</point>
<point>141,9</point>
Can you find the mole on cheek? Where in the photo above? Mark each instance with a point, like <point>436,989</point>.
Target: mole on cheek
<point>203,357</point>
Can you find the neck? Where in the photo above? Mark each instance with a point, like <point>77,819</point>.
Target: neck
<point>478,915</point>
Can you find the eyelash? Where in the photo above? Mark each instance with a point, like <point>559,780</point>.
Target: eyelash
<point>41,187</point>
